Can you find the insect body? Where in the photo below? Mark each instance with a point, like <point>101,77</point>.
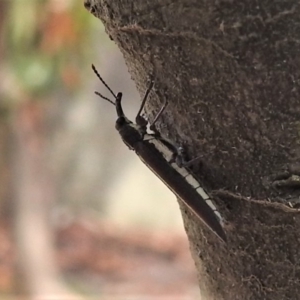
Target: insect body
<point>165,161</point>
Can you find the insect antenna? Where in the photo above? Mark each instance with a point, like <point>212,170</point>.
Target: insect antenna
<point>105,84</point>
<point>101,96</point>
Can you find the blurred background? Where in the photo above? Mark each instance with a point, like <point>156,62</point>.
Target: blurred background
<point>81,216</point>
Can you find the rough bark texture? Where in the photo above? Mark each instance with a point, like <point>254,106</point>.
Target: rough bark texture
<point>230,70</point>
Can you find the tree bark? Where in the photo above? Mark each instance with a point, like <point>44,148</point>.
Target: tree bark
<point>230,71</point>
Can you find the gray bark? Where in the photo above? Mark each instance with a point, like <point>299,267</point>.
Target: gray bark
<point>230,70</point>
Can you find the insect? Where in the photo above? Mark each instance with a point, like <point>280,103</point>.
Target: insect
<point>165,160</point>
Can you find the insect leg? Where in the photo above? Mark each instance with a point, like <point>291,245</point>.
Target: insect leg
<point>180,158</point>
<point>152,125</point>
<point>140,120</point>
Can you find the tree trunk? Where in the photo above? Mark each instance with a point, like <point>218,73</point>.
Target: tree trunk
<point>230,70</point>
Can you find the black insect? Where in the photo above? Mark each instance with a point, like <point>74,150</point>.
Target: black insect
<point>165,160</point>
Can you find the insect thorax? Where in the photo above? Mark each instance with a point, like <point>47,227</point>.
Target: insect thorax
<point>130,133</point>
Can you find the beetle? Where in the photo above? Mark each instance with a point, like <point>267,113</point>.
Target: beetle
<point>165,160</point>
